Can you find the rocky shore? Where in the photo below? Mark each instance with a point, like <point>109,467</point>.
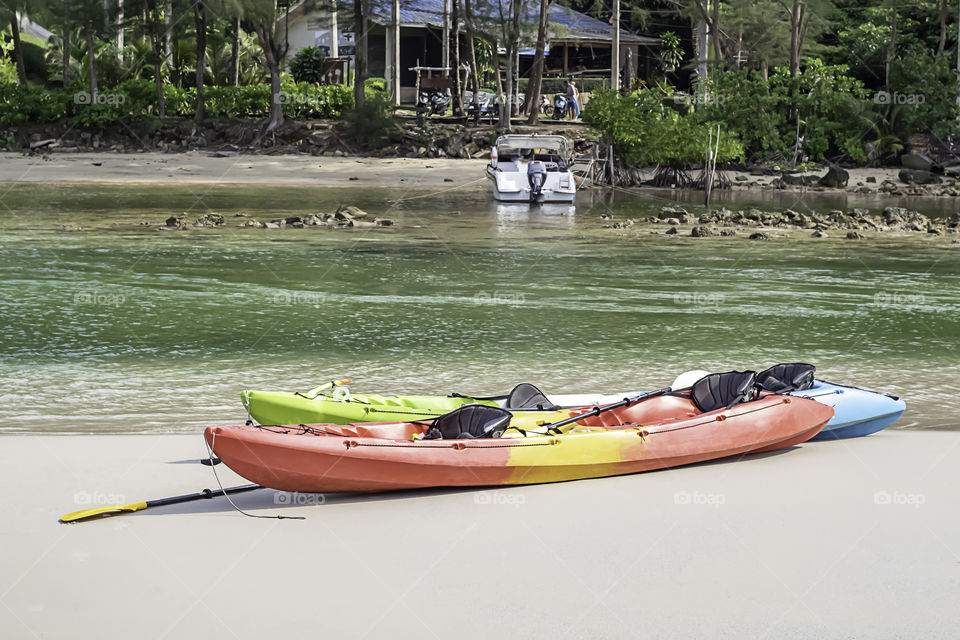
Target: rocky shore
<point>344,217</point>
<point>761,225</point>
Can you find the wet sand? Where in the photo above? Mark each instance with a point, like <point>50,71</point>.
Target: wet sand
<point>849,539</point>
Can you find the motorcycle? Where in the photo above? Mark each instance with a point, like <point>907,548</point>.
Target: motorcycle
<point>559,106</point>
<point>433,101</point>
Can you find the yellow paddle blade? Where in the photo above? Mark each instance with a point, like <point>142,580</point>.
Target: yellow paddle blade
<point>335,383</point>
<point>89,513</point>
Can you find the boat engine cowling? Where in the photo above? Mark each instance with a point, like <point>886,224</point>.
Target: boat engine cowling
<point>537,177</point>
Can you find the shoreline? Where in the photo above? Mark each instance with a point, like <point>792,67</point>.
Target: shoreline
<point>228,167</point>
<point>853,538</point>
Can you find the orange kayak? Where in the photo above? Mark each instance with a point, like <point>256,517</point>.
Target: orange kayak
<point>658,433</point>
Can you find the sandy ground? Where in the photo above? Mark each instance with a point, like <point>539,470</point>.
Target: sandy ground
<point>850,539</point>
<point>218,168</point>
<point>227,168</point>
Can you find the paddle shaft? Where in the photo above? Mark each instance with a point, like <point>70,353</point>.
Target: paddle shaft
<point>206,493</point>
<point>626,402</point>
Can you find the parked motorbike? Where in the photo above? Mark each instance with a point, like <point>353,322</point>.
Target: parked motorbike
<point>559,106</point>
<point>434,101</point>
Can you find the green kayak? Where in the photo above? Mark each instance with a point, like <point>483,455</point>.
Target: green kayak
<point>279,407</point>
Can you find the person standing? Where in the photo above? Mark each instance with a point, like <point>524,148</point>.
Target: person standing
<point>573,100</point>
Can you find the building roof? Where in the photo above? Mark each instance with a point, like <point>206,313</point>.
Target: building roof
<point>575,27</point>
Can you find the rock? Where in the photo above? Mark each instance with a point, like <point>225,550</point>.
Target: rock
<point>672,212</point>
<point>177,222</point>
<point>42,143</point>
<point>916,161</point>
<point>273,224</point>
<point>383,222</point>
<point>292,220</point>
<point>835,178</point>
<point>728,232</point>
<point>252,224</point>
<point>361,223</point>
<point>448,179</point>
<point>348,212</point>
<point>338,154</point>
<point>312,219</point>
<point>934,231</point>
<point>871,179</point>
<point>818,234</point>
<point>672,231</point>
<point>916,176</point>
<point>894,215</point>
<point>278,222</point>
<point>759,235</point>
<point>672,221</point>
<point>798,180</point>
<point>210,220</point>
<point>701,232</point>
<point>854,235</point>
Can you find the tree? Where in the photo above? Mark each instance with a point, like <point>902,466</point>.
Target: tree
<point>10,13</point>
<point>539,60</point>
<point>360,53</point>
<point>200,23</point>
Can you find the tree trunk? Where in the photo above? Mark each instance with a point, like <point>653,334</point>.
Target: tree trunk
<point>200,22</point>
<point>796,19</point>
<point>536,72</point>
<point>474,71</point>
<point>943,29</point>
<point>715,35</point>
<point>508,99</point>
<point>501,101</point>
<point>235,53</point>
<point>120,34</point>
<point>66,48</point>
<point>18,49</point>
<point>359,55</point>
<point>156,44</point>
<point>168,35</point>
<point>265,36</point>
<point>891,52</point>
<point>91,61</point>
<point>457,102</point>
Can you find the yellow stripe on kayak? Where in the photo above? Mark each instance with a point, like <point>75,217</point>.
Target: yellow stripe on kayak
<point>572,456</point>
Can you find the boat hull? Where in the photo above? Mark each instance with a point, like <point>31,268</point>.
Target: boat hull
<point>382,457</point>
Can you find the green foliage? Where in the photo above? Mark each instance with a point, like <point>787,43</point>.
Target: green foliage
<point>308,65</point>
<point>671,52</point>
<point>374,121</point>
<point>645,130</point>
<point>24,104</point>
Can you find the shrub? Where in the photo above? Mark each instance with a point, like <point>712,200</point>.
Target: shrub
<point>374,121</point>
<point>308,64</point>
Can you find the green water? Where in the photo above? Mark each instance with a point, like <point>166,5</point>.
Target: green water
<point>123,328</point>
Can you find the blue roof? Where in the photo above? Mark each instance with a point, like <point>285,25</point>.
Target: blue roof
<point>576,26</point>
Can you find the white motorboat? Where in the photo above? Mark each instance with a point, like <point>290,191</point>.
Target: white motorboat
<point>532,169</point>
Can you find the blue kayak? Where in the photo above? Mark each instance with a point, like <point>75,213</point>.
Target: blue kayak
<point>856,412</point>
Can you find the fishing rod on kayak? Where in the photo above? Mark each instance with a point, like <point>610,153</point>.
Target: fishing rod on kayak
<point>84,514</point>
<point>626,402</point>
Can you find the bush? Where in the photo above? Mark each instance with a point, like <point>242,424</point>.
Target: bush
<point>374,121</point>
<point>308,65</point>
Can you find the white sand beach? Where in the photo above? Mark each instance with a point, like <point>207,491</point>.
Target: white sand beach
<point>850,539</point>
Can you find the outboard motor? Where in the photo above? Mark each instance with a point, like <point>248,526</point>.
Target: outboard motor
<point>537,177</point>
<point>559,106</point>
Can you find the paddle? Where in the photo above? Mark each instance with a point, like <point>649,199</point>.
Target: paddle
<point>313,393</point>
<point>626,402</point>
<point>139,506</point>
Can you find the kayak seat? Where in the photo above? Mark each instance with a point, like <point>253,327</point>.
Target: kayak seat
<point>781,378</point>
<point>527,396</point>
<point>723,390</point>
<point>471,421</point>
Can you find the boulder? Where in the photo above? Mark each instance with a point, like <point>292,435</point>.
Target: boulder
<point>383,222</point>
<point>916,161</point>
<point>818,234</point>
<point>672,231</point>
<point>917,176</point>
<point>701,232</point>
<point>177,222</point>
<point>759,235</point>
<point>835,178</point>
<point>672,212</point>
<point>854,235</point>
<point>349,212</point>
<point>252,224</point>
<point>210,220</point>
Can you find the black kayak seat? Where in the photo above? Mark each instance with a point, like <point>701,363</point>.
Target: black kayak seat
<point>723,390</point>
<point>781,378</point>
<point>527,396</point>
<point>473,421</point>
